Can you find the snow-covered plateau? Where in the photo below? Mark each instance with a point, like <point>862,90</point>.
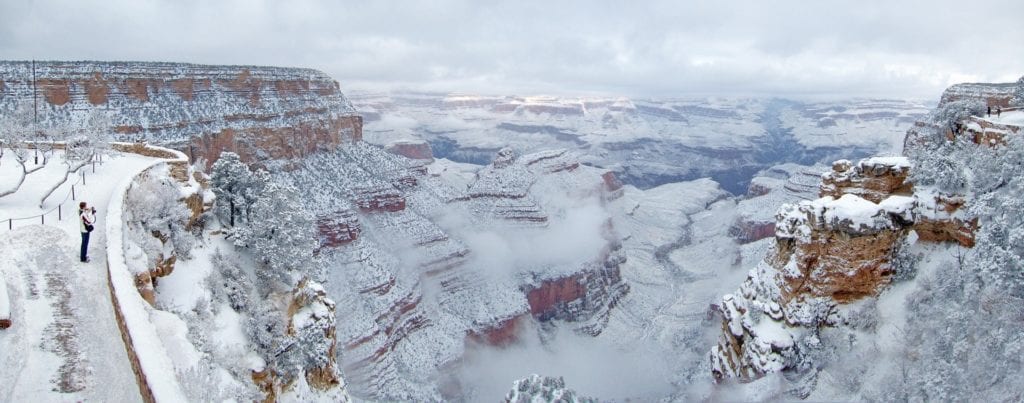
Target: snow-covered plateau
<point>474,248</point>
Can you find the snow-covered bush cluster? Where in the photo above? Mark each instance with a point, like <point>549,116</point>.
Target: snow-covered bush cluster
<point>963,338</point>
<point>286,315</point>
<point>266,217</point>
<point>949,115</point>
<point>1018,94</point>
<point>156,218</point>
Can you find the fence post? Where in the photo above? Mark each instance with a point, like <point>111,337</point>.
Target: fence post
<point>59,214</point>
<point>42,217</point>
<point>83,177</point>
<point>10,223</point>
<point>72,192</point>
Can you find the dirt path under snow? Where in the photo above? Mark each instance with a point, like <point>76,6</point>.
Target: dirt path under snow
<point>64,344</point>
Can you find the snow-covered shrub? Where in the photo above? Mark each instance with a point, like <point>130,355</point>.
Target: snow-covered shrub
<point>951,113</point>
<point>962,337</point>
<point>1018,93</point>
<point>267,328</point>
<point>229,283</point>
<point>153,208</point>
<point>206,382</point>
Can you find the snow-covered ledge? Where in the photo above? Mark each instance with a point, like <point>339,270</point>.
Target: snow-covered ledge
<point>153,368</point>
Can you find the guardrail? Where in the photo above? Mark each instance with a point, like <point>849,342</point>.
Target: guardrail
<point>79,179</point>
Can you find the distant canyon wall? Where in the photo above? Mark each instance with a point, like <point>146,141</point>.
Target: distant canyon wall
<point>259,112</point>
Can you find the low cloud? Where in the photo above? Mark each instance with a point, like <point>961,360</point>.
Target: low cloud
<point>657,48</point>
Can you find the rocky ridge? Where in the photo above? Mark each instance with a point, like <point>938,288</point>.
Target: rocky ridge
<point>258,112</point>
<point>829,253</point>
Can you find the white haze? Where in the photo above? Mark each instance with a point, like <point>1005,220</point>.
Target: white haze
<point>567,242</point>
<point>592,367</point>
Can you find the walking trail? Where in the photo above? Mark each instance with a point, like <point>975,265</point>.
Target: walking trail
<point>64,344</point>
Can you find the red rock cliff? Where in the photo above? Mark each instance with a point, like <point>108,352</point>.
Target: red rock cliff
<point>258,112</point>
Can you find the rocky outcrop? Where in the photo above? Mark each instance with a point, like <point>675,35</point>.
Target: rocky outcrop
<point>786,183</point>
<point>337,228</point>
<point>828,253</point>
<point>873,179</point>
<point>417,150</point>
<point>990,93</point>
<point>258,112</point>
<point>312,323</point>
<point>538,388</point>
<point>503,333</point>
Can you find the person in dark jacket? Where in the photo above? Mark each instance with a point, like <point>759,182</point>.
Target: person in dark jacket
<point>86,220</point>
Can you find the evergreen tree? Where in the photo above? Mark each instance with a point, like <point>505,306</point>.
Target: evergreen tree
<point>232,183</point>
<point>280,233</point>
<point>1018,94</point>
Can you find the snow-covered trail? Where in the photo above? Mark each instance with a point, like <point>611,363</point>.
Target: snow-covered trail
<point>64,344</point>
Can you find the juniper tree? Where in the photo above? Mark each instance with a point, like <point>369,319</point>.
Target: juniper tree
<point>280,233</point>
<point>235,187</point>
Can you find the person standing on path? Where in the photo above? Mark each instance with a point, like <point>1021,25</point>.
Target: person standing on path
<point>86,218</point>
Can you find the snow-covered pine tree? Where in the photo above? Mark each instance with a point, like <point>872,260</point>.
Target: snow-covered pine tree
<point>230,180</point>
<point>1018,94</point>
<point>280,233</point>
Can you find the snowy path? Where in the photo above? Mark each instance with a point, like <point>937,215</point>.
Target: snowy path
<point>64,344</point>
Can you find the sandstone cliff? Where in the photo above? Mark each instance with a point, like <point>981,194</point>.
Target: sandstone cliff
<point>258,112</point>
<point>829,253</point>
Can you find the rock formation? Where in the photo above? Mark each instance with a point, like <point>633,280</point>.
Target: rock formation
<point>828,253</point>
<point>538,388</point>
<point>258,112</point>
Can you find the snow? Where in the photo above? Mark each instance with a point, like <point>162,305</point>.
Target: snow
<point>35,266</point>
<point>852,208</point>
<point>228,334</point>
<point>1011,118</point>
<point>895,162</point>
<point>152,355</point>
<point>185,288</point>
<point>173,334</point>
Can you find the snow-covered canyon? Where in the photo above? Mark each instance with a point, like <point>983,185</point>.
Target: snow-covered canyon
<point>457,244</point>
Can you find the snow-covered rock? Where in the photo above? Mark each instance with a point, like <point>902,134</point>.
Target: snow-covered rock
<point>829,253</point>
<point>537,389</point>
<point>258,112</point>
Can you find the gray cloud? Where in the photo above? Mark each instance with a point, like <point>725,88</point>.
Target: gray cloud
<point>910,48</point>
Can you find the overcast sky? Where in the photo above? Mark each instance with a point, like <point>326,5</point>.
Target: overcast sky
<point>637,48</point>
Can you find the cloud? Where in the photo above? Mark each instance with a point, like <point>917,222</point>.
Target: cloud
<point>652,48</point>
<point>593,367</point>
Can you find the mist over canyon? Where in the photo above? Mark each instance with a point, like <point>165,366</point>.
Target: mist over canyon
<point>456,247</point>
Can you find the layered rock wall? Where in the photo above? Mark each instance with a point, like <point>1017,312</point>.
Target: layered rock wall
<point>828,253</point>
<point>258,112</point>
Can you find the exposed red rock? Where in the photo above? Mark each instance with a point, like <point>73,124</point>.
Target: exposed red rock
<point>551,295</point>
<point>199,109</point>
<point>869,179</point>
<point>379,202</point>
<point>503,333</point>
<point>752,231</point>
<point>337,229</point>
<point>415,150</point>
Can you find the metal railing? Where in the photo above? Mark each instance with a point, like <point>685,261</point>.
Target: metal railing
<point>59,208</point>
